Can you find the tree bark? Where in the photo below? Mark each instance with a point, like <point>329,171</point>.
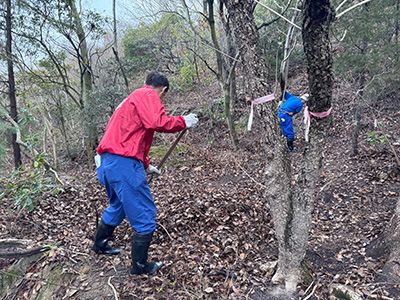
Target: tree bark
<point>291,208</point>
<point>277,163</point>
<point>391,269</point>
<point>357,117</point>
<point>317,18</point>
<point>115,48</point>
<point>87,81</point>
<point>359,99</point>
<point>11,85</point>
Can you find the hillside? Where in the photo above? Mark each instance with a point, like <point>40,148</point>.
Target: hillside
<point>215,233</point>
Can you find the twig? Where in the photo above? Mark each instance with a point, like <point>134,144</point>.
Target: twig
<point>350,8</point>
<point>340,5</point>
<point>112,287</point>
<point>309,287</point>
<point>312,293</point>
<point>247,295</point>
<point>278,14</point>
<point>192,230</point>
<point>263,186</point>
<point>326,185</point>
<point>73,260</point>
<point>165,231</point>
<point>80,253</point>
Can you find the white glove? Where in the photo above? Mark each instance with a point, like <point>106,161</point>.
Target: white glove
<point>152,170</point>
<point>97,160</point>
<point>190,120</point>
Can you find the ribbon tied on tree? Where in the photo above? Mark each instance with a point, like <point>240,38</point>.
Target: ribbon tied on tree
<point>263,99</point>
<point>307,119</point>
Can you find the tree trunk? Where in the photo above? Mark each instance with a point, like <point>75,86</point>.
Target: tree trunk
<point>48,128</point>
<point>228,46</point>
<point>59,106</point>
<point>357,117</point>
<point>291,209</point>
<point>115,48</point>
<point>225,83</point>
<point>318,16</point>
<point>277,163</point>
<point>359,100</point>
<point>11,85</point>
<point>87,81</point>
<point>391,269</point>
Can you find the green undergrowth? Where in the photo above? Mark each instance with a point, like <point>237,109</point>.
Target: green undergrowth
<point>158,152</point>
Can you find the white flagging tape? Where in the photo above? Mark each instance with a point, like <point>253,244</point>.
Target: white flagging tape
<point>307,119</point>
<point>258,101</point>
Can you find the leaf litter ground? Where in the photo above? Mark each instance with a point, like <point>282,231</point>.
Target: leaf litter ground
<point>215,233</point>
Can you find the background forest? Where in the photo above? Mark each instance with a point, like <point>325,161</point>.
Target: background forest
<point>64,68</point>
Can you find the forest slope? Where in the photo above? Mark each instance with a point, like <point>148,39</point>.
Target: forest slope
<point>215,233</point>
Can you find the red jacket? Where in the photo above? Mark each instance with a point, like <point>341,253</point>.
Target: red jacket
<point>132,125</point>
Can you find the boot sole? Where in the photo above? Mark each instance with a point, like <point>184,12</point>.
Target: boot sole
<point>157,266</point>
<point>106,253</point>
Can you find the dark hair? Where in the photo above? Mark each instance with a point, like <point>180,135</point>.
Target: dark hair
<point>157,79</point>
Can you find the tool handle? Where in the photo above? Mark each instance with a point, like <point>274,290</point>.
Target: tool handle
<point>169,152</point>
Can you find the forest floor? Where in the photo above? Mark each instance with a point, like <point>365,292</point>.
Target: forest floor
<point>215,233</point>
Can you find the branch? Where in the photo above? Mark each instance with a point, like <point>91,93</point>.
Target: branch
<point>203,60</point>
<point>232,69</point>
<point>351,8</point>
<point>278,14</point>
<point>276,19</point>
<point>10,244</point>
<point>112,287</point>
<point>197,35</point>
<point>340,5</point>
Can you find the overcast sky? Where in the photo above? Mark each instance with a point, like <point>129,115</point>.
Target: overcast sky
<point>102,6</point>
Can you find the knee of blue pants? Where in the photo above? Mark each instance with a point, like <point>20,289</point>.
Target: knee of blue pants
<point>113,216</point>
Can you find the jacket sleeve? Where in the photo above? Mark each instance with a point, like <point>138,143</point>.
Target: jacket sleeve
<point>153,116</point>
<point>299,106</point>
<point>288,95</point>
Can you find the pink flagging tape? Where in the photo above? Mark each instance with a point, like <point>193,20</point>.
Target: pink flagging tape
<point>307,118</point>
<point>258,101</point>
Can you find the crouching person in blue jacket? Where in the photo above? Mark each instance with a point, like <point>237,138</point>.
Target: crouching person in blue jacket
<point>289,108</point>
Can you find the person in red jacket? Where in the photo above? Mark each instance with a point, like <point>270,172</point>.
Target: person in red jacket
<point>123,166</point>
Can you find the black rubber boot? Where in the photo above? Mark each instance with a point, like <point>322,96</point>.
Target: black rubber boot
<point>103,235</point>
<point>290,145</point>
<point>140,246</point>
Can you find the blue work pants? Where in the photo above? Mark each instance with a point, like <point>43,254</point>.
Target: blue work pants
<point>128,192</point>
<point>287,125</point>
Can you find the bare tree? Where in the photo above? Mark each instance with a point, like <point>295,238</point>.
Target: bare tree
<point>224,78</point>
<point>11,84</point>
<point>115,47</point>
